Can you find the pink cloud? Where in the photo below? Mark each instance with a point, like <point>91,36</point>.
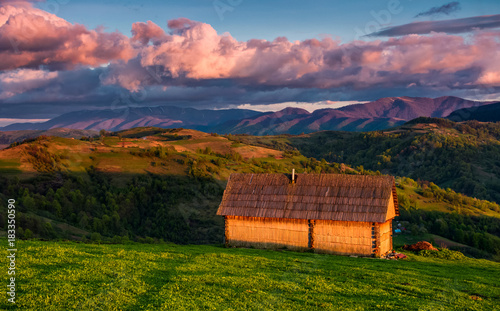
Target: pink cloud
<point>181,24</point>
<point>30,37</point>
<point>195,51</point>
<point>144,32</point>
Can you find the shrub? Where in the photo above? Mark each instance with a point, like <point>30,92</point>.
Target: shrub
<point>95,237</point>
<point>443,253</point>
<point>28,234</point>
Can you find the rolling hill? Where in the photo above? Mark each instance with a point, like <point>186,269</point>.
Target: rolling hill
<point>9,137</point>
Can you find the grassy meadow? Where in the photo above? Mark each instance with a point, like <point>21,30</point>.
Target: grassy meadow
<point>69,276</point>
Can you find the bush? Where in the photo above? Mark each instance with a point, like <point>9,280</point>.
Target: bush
<point>95,237</point>
<point>472,252</point>
<point>28,234</point>
<point>443,253</point>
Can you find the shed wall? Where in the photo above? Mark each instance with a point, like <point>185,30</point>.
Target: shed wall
<point>343,237</point>
<point>267,232</point>
<point>385,237</point>
<point>391,210</point>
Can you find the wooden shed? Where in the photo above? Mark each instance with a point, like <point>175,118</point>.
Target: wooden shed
<point>330,213</point>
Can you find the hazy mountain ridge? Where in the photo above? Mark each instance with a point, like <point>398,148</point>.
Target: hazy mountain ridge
<point>486,113</point>
<point>121,119</point>
<point>377,115</point>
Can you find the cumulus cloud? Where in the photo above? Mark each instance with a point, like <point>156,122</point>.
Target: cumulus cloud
<point>30,38</point>
<point>144,32</point>
<point>452,26</point>
<point>195,55</point>
<point>445,9</point>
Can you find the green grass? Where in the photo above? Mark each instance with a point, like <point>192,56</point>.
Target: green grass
<point>10,167</point>
<point>198,141</point>
<point>69,276</point>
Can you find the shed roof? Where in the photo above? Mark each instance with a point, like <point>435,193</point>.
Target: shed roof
<point>312,196</point>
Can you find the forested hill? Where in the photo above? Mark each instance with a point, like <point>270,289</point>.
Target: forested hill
<point>461,156</point>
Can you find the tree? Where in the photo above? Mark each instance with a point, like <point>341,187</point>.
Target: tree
<point>95,237</point>
<point>28,234</point>
<point>49,231</point>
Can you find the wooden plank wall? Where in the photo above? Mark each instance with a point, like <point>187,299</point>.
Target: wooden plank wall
<point>267,232</point>
<point>324,236</point>
<point>343,237</point>
<point>385,237</point>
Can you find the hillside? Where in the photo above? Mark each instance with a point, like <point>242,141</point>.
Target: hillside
<point>172,277</point>
<point>150,183</point>
<point>9,137</point>
<point>487,113</point>
<point>380,114</point>
<point>102,185</point>
<point>461,156</point>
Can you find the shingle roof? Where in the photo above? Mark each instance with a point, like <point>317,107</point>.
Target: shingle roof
<point>312,196</point>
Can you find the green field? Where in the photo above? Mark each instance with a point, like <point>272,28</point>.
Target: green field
<point>68,276</point>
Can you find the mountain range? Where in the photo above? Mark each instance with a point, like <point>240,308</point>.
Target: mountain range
<point>377,115</point>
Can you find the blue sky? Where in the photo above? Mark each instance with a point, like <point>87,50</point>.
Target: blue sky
<point>244,19</point>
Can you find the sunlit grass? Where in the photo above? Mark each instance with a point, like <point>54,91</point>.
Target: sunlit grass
<point>68,276</point>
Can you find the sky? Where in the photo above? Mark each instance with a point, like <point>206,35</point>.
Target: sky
<point>58,56</point>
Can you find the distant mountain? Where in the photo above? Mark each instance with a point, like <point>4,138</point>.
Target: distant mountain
<point>486,113</point>
<point>381,114</point>
<point>121,119</point>
<point>408,108</point>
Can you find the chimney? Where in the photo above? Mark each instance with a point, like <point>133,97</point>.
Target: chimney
<point>293,176</point>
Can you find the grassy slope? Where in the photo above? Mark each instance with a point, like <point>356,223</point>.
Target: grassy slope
<point>125,158</point>
<point>67,276</point>
<point>462,156</point>
<point>115,155</point>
